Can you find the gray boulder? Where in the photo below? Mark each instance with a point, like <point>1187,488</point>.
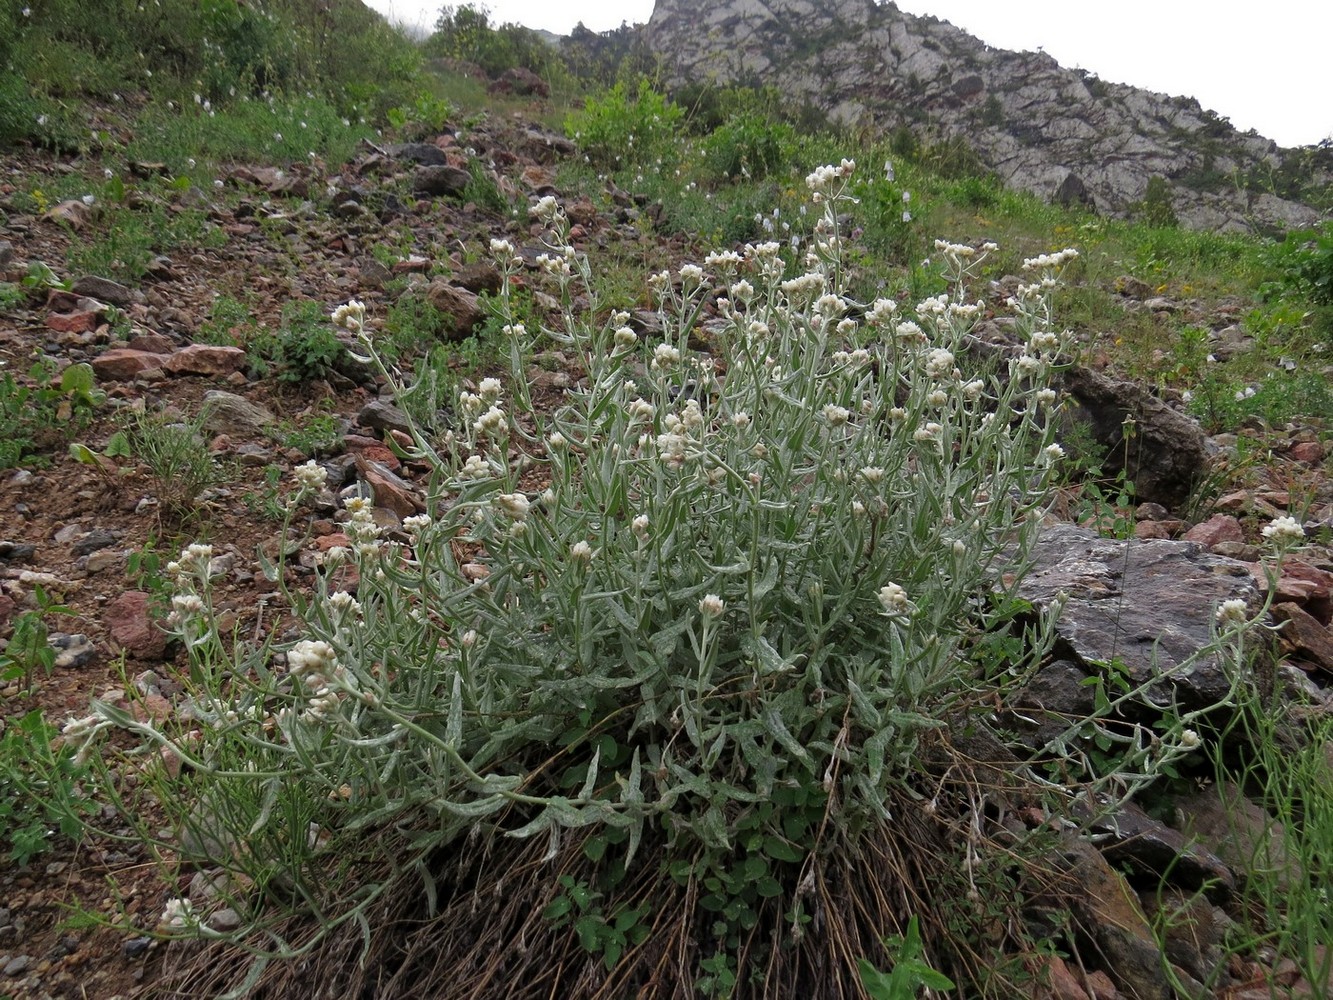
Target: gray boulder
<point>1148,605</point>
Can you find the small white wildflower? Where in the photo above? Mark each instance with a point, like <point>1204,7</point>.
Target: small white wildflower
<point>640,526</point>
<point>489,389</point>
<point>692,273</point>
<point>491,422</point>
<point>1029,367</point>
<point>624,338</point>
<point>350,316</point>
<point>910,332</point>
<point>75,728</point>
<point>1044,397</point>
<point>939,363</point>
<point>711,606</point>
<point>1284,530</point>
<point>1189,739</point>
<point>741,420</point>
<point>927,432</point>
<point>894,599</point>
<point>469,639</point>
<point>556,441</point>
<point>1044,341</point>
<point>514,506</point>
<point>310,657</point>
<point>665,356</point>
<point>836,415</point>
<point>178,915</point>
<point>1053,452</point>
<point>1233,612</point>
<point>872,474</point>
<point>581,551</point>
<point>547,209</point>
<point>476,468</point>
<point>344,603</point>
<point>937,398</point>
<point>830,305</point>
<point>310,476</point>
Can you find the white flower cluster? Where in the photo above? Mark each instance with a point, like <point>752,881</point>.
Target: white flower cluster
<point>1284,531</point>
<point>1233,612</point>
<point>361,527</point>
<point>513,506</point>
<point>547,210</point>
<point>178,915</point>
<point>823,178</point>
<point>351,317</point>
<point>310,477</point>
<point>894,599</point>
<point>314,663</point>
<point>1050,261</point>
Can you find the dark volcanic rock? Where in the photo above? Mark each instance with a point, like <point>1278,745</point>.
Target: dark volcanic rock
<point>418,152</point>
<point>1148,604</point>
<point>441,180</point>
<point>1162,451</point>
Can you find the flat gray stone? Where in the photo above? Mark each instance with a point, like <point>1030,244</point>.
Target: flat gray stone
<point>1148,604</point>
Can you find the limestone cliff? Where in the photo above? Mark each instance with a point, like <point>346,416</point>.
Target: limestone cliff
<point>1059,133</point>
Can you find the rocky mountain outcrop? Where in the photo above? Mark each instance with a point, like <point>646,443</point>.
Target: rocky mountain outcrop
<point>1059,133</point>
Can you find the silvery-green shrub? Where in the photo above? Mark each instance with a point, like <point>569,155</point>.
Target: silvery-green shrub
<point>704,578</point>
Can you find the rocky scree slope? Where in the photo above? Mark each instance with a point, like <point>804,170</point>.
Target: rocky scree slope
<point>1059,133</point>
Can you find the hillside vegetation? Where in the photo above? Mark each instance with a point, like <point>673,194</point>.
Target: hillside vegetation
<point>486,525</point>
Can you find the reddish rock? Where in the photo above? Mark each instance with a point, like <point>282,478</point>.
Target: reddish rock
<point>61,301</point>
<point>521,81</point>
<point>372,450</point>
<point>1152,529</point>
<point>1304,636</point>
<point>1248,502</point>
<point>333,541</point>
<point>462,312</point>
<point>206,359</point>
<point>390,490</point>
<point>581,211</point>
<point>74,213</point>
<point>122,363</point>
<point>537,177</point>
<point>154,707</point>
<point>1309,452</point>
<point>155,343</point>
<point>74,322</point>
<point>412,265</point>
<point>1302,584</point>
<point>7,608</point>
<point>1101,987</point>
<point>1061,983</point>
<point>132,626</point>
<point>1218,528</point>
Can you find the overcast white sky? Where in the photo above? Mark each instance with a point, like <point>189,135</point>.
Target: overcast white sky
<point>1263,65</point>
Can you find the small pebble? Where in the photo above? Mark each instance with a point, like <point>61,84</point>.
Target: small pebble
<point>17,965</point>
<point>135,947</point>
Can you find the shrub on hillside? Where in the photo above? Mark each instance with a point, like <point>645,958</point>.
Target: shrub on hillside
<point>749,144</point>
<point>620,129</point>
<point>666,662</point>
